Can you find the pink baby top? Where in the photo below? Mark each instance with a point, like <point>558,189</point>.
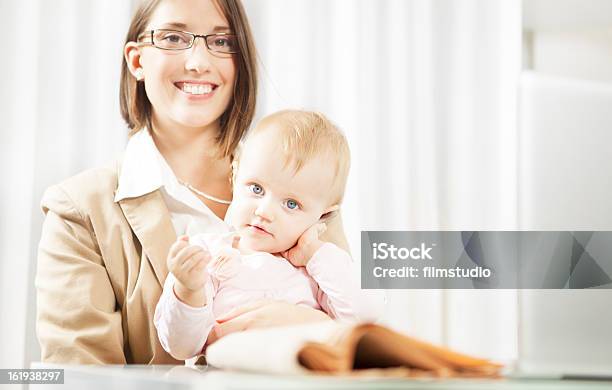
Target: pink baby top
<point>327,283</point>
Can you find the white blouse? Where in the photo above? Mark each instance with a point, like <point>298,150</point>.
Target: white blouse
<point>144,170</point>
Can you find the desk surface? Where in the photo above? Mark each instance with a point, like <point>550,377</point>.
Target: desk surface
<point>182,377</point>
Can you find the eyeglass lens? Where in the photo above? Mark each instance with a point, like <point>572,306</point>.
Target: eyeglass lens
<point>179,40</point>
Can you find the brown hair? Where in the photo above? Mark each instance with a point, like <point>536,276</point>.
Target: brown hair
<point>136,107</point>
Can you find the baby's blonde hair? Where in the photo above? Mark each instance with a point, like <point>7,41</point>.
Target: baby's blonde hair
<point>304,135</point>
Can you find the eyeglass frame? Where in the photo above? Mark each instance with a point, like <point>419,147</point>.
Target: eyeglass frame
<point>150,33</point>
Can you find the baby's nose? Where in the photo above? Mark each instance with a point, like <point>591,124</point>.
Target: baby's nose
<point>265,211</point>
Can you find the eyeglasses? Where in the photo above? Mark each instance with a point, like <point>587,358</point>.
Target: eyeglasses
<point>181,40</point>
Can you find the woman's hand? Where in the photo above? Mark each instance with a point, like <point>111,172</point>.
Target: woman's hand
<point>263,314</point>
<point>308,243</point>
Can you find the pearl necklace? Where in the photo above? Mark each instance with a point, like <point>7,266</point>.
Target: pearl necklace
<point>203,194</point>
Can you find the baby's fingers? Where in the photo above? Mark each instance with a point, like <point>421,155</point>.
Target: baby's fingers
<point>176,263</point>
<point>199,266</point>
<point>187,252</point>
<point>193,262</point>
<point>180,243</point>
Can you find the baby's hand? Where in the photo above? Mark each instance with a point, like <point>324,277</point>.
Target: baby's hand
<point>308,243</point>
<point>188,264</point>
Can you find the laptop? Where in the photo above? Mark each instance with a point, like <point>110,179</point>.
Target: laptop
<point>565,183</point>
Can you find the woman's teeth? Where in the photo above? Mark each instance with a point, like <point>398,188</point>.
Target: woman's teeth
<point>197,89</point>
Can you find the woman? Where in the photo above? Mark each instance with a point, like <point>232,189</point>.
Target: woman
<point>188,99</point>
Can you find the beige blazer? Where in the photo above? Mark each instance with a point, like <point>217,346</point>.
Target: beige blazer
<point>101,268</point>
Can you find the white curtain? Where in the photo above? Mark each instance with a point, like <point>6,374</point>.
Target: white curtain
<point>60,110</point>
<point>424,89</point>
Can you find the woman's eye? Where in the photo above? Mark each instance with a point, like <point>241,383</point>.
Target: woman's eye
<point>256,189</point>
<point>292,204</point>
<point>220,42</point>
<point>174,38</point>
<point>225,43</point>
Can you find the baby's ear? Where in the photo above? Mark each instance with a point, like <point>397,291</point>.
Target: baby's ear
<point>329,213</point>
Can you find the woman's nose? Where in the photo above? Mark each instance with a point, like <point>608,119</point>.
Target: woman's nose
<point>198,57</point>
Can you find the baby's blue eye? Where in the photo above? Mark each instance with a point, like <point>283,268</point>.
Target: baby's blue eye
<point>256,189</point>
<point>292,204</point>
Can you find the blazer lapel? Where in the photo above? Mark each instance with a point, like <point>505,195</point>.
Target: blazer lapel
<point>150,220</point>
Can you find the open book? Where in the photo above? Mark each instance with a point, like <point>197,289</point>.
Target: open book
<point>331,347</point>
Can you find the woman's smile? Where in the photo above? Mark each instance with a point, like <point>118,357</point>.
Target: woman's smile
<point>197,89</point>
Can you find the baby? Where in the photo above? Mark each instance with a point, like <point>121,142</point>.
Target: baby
<point>289,178</point>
